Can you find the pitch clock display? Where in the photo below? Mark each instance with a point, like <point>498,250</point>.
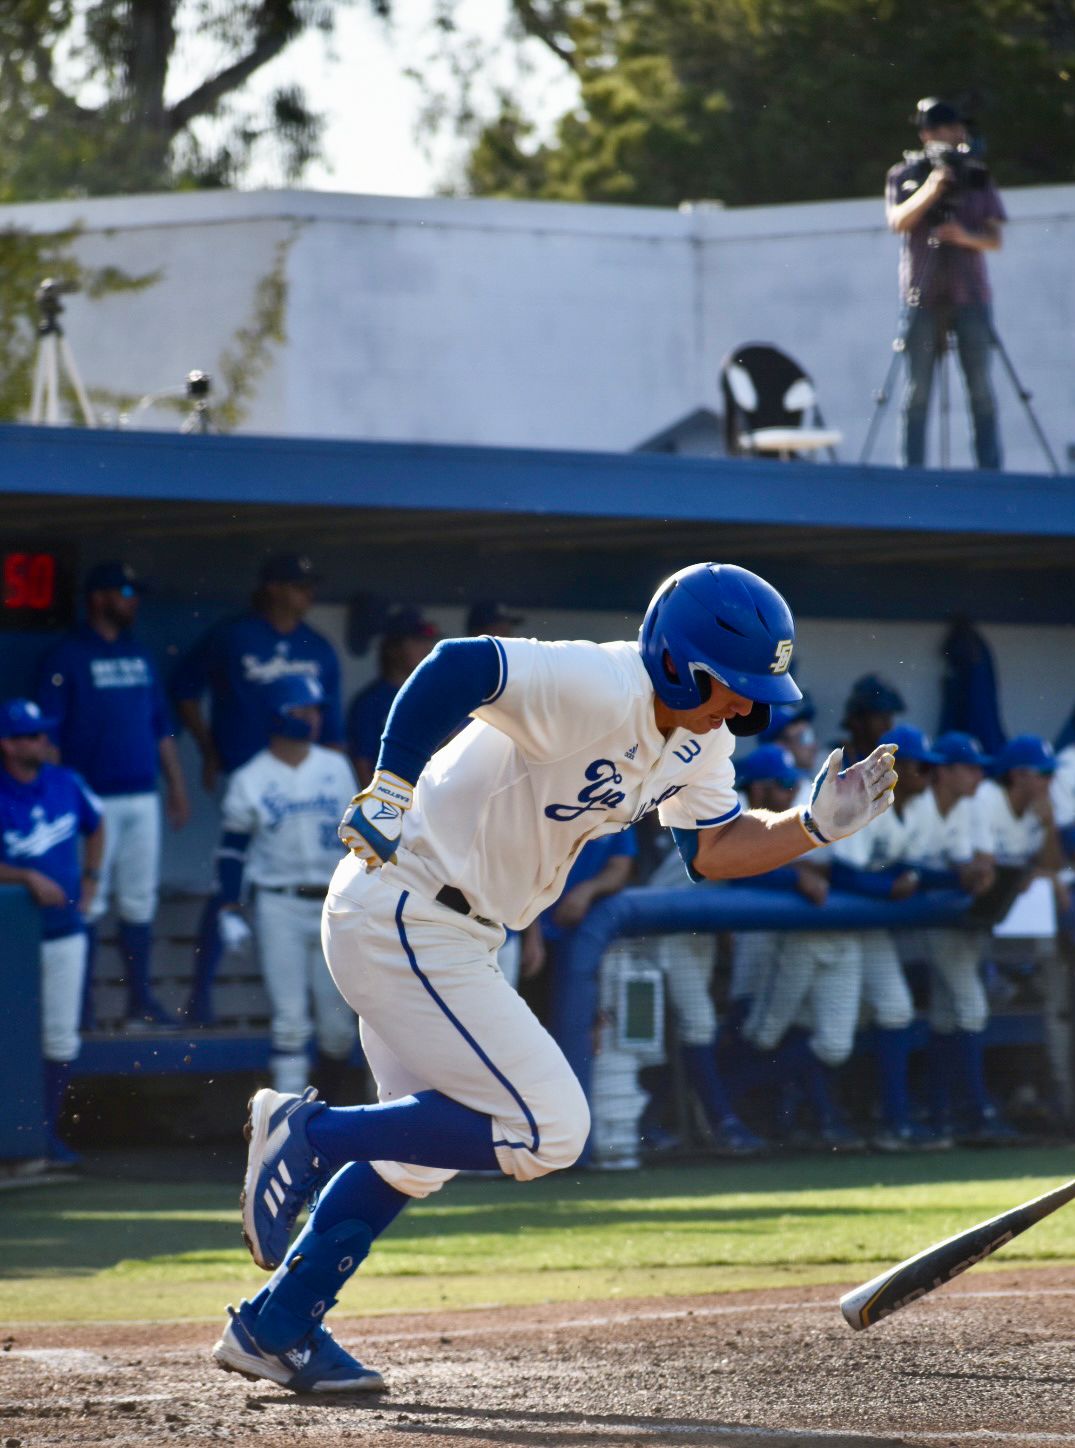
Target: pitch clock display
<point>36,587</point>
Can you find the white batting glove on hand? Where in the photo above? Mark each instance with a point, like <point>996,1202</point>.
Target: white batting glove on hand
<point>233,930</point>
<point>373,821</point>
<point>843,800</point>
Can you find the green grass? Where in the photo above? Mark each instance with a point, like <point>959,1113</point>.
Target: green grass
<point>102,1250</point>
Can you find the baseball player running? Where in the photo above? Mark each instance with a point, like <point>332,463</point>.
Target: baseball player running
<point>572,741</point>
<point>281,810</point>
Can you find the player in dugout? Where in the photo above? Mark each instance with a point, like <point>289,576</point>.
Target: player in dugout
<point>573,740</point>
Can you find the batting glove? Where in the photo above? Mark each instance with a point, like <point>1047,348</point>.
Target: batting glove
<point>843,800</point>
<point>233,929</point>
<point>373,821</point>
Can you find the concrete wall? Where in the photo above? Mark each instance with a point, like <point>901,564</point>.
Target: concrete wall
<point>543,324</point>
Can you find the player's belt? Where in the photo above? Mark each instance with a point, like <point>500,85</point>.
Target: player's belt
<point>300,892</point>
<point>455,900</point>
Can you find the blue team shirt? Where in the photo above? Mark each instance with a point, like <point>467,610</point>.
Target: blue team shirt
<point>40,824</point>
<point>234,661</point>
<point>111,709</point>
<point>367,717</point>
<point>592,859</point>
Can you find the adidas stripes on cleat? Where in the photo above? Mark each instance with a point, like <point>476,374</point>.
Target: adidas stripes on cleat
<point>282,1171</point>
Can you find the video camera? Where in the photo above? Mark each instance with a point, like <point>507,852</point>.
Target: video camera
<point>969,171</point>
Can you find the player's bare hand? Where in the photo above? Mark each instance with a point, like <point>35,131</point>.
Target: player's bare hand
<point>373,821</point>
<point>177,808</point>
<point>571,910</point>
<point>904,885</point>
<point>532,956</point>
<point>210,771</point>
<point>812,883</point>
<point>843,800</point>
<point>44,891</point>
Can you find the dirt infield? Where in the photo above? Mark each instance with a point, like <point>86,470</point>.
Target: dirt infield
<point>988,1360</point>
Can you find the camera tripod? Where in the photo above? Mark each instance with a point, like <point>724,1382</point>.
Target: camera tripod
<point>945,347</point>
<point>55,358</point>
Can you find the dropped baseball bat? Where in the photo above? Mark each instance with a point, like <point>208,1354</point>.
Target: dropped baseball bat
<point>910,1280</point>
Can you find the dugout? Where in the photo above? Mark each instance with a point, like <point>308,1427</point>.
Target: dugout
<point>874,560</point>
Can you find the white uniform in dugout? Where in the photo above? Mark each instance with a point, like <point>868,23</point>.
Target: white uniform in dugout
<point>958,1001</point>
<point>567,749</point>
<point>886,996</point>
<point>291,813</point>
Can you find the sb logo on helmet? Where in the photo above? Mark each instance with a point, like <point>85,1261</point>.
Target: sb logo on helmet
<point>783,657</point>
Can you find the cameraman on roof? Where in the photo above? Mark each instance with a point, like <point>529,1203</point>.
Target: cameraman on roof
<point>943,203</point>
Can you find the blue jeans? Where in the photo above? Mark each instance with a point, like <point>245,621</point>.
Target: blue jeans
<point>974,339</point>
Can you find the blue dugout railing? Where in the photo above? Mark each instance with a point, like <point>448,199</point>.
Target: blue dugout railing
<point>709,908</point>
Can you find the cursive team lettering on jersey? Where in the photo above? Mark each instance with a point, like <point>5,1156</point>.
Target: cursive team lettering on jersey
<point>600,794</point>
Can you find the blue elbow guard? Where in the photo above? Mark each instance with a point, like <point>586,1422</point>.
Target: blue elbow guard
<point>687,844</point>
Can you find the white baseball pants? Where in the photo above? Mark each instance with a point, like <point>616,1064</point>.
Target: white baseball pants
<point>289,949</point>
<point>131,865</point>
<point>886,996</point>
<point>816,977</point>
<point>63,967</point>
<point>437,1014</point>
<point>957,998</point>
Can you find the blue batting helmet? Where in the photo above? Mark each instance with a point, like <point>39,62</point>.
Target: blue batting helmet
<point>721,620</point>
<point>293,691</point>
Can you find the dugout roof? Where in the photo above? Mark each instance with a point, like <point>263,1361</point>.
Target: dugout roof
<point>558,529</point>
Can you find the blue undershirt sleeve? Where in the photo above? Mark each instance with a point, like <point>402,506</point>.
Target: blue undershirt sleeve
<point>230,863</point>
<point>687,845</point>
<point>458,677</point>
<point>1067,839</point>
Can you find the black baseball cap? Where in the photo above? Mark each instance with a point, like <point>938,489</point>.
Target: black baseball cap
<point>486,614</point>
<point>288,568</point>
<point>932,112</point>
<point>872,695</point>
<point>113,574</point>
<point>406,622</point>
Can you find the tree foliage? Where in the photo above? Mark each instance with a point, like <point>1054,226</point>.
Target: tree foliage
<point>754,101</point>
<point>86,93</point>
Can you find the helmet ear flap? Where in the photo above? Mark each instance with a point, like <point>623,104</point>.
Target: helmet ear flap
<point>743,725</point>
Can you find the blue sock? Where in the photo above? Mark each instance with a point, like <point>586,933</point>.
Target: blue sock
<point>940,1073</point>
<point>355,1197</point>
<point>968,1059</point>
<point>208,952</point>
<point>700,1065</point>
<point>892,1050</point>
<point>426,1129</point>
<point>57,1076</point>
<point>135,943</point>
<point>813,1076</point>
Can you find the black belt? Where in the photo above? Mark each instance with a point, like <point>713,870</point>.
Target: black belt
<point>301,892</point>
<point>455,900</point>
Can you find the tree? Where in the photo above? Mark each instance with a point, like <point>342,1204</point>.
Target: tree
<point>85,103</point>
<point>754,101</point>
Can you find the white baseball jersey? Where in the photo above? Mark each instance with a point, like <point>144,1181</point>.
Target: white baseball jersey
<point>292,813</point>
<point>1062,788</point>
<point>1014,839</point>
<point>567,749</point>
<point>942,841</point>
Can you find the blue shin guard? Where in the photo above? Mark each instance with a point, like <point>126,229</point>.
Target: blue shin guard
<point>353,1211</point>
<point>307,1283</point>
